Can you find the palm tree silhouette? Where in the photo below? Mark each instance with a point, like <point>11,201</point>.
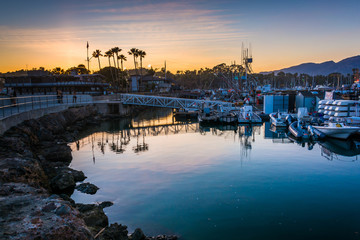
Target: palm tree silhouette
<point>115,51</point>
<point>97,54</point>
<point>142,55</point>
<point>122,58</point>
<point>109,54</point>
<point>135,53</point>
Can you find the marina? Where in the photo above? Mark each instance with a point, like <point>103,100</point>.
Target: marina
<point>179,120</point>
<point>216,186</point>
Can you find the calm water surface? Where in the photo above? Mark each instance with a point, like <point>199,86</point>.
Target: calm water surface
<point>220,182</point>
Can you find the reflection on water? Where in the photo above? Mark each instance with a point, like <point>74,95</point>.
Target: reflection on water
<point>220,181</point>
<point>116,135</point>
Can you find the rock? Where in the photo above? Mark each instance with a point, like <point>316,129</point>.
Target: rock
<point>67,198</point>
<point>52,169</point>
<point>42,133</point>
<point>22,170</point>
<point>85,207</point>
<point>138,235</point>
<point>63,210</point>
<point>163,237</point>
<point>93,216</point>
<point>106,204</point>
<point>78,175</point>
<point>114,232</point>
<point>63,183</point>
<point>10,145</point>
<point>55,152</point>
<point>32,214</point>
<point>87,188</point>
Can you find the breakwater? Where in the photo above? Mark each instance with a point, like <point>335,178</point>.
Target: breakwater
<point>36,182</point>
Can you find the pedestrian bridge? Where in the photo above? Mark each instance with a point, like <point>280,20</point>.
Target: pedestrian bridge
<point>14,110</point>
<point>169,102</point>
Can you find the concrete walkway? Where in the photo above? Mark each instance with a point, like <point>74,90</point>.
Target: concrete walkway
<point>13,106</point>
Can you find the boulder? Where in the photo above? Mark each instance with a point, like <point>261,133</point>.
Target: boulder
<point>29,213</point>
<point>114,232</point>
<point>59,152</point>
<point>138,235</point>
<point>10,145</point>
<point>63,183</point>
<point>52,169</point>
<point>22,170</point>
<point>93,216</point>
<point>106,204</point>
<point>87,188</point>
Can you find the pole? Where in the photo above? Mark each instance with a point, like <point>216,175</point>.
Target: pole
<point>87,59</point>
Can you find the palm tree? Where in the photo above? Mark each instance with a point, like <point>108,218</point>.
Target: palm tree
<point>97,54</point>
<point>142,55</point>
<point>116,50</point>
<point>122,58</point>
<point>109,54</point>
<point>135,53</point>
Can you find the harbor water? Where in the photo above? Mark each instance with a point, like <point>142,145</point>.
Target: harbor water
<point>220,182</point>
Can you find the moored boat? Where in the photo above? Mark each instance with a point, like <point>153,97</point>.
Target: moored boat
<point>246,115</point>
<point>208,115</point>
<point>298,130</point>
<point>278,119</point>
<point>228,117</point>
<point>338,130</point>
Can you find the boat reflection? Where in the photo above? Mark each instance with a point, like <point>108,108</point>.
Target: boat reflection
<point>335,149</point>
<point>308,142</point>
<point>277,134</point>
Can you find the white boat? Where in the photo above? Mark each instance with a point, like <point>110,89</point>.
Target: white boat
<point>246,115</point>
<point>338,130</point>
<point>278,119</point>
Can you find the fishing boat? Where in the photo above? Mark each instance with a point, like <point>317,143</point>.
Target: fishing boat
<point>208,115</point>
<point>228,117</point>
<point>246,115</point>
<point>338,130</point>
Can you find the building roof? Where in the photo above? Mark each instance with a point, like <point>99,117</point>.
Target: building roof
<point>312,94</point>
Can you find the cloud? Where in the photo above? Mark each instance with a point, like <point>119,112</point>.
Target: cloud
<point>175,30</point>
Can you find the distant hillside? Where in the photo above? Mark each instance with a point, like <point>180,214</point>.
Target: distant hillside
<point>344,66</point>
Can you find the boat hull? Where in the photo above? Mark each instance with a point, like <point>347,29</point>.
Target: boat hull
<point>338,132</point>
<point>298,132</point>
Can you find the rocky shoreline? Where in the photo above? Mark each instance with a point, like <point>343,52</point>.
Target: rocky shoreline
<point>36,183</point>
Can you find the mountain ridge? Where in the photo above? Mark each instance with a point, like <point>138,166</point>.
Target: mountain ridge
<point>343,66</point>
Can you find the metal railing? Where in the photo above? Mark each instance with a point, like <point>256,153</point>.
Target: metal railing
<point>169,102</point>
<point>14,105</point>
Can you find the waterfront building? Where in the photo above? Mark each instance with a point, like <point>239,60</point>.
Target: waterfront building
<point>309,99</point>
<point>43,82</point>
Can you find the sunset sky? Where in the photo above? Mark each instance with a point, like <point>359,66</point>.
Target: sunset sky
<point>187,34</point>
